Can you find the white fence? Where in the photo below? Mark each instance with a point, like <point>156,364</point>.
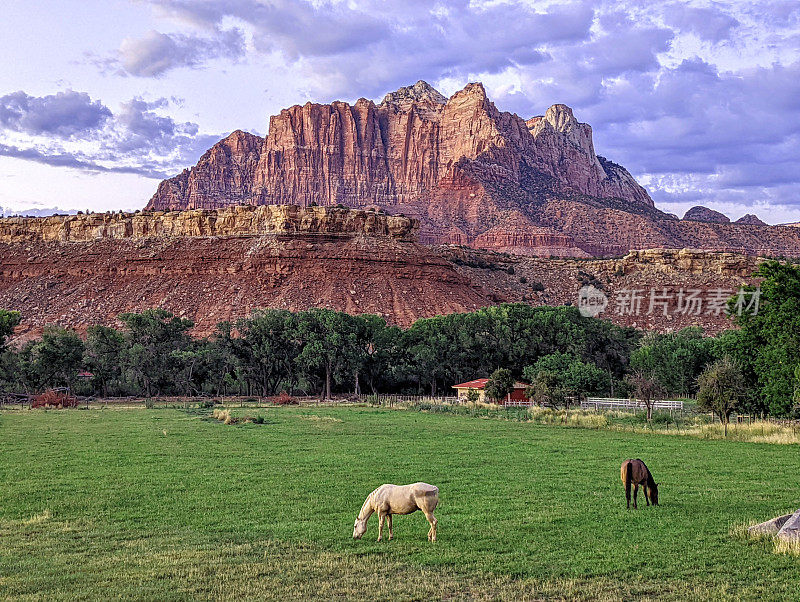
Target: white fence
<point>611,403</point>
<point>391,400</point>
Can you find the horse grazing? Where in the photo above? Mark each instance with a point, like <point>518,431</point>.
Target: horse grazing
<point>398,499</point>
<point>635,472</point>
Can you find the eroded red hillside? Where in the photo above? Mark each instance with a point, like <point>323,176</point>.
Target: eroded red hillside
<point>212,265</point>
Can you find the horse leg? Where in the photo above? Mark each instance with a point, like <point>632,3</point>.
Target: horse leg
<point>635,493</point>
<point>382,518</point>
<point>391,532</point>
<point>628,493</point>
<point>646,490</point>
<point>432,520</point>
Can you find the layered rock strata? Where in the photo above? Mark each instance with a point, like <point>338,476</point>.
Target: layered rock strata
<point>230,221</point>
<point>211,279</point>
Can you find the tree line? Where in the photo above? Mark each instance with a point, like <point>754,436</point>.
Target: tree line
<point>563,355</point>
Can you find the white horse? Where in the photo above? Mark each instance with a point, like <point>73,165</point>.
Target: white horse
<point>398,499</point>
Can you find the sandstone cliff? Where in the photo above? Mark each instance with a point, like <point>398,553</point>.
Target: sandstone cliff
<point>230,221</point>
<point>664,273</point>
<point>470,173</point>
<point>459,165</point>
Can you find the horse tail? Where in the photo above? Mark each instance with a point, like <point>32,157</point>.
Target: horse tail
<point>627,477</point>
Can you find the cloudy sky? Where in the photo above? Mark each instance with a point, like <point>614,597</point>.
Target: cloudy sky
<point>100,99</point>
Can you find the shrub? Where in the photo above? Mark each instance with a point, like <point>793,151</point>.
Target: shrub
<point>54,399</point>
<point>663,418</point>
<point>537,286</point>
<point>223,416</point>
<point>284,399</point>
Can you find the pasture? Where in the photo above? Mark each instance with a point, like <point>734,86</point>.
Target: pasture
<point>169,504</point>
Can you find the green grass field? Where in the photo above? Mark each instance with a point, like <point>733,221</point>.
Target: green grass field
<point>168,504</point>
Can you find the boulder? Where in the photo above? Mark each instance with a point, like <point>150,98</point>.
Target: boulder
<point>770,527</point>
<point>790,531</point>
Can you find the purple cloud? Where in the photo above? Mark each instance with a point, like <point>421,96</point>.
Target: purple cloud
<point>367,48</point>
<point>78,160</point>
<point>709,23</point>
<point>65,114</point>
<point>69,129</point>
<point>156,53</point>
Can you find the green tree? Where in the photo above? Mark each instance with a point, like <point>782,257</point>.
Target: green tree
<point>767,345</point>
<point>190,362</point>
<point>9,371</point>
<point>267,348</point>
<point>437,351</point>
<point>500,384</point>
<point>9,320</point>
<point>329,342</point>
<point>572,377</point>
<point>644,377</point>
<point>372,347</point>
<point>457,347</point>
<point>54,360</point>
<point>546,388</point>
<point>223,366</point>
<point>797,385</point>
<point>583,379</point>
<point>151,339</point>
<point>102,356</point>
<point>678,358</point>
<point>721,386</point>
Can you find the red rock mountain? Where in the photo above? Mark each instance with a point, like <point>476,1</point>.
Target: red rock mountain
<point>750,220</point>
<point>220,265</point>
<point>470,173</point>
<point>214,265</point>
<point>704,214</point>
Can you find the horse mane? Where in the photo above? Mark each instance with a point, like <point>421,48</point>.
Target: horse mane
<point>367,504</point>
<point>651,482</point>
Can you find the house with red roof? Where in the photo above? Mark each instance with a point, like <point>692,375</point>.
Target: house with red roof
<point>516,398</point>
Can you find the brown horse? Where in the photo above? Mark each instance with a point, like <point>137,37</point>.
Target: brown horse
<point>635,472</point>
